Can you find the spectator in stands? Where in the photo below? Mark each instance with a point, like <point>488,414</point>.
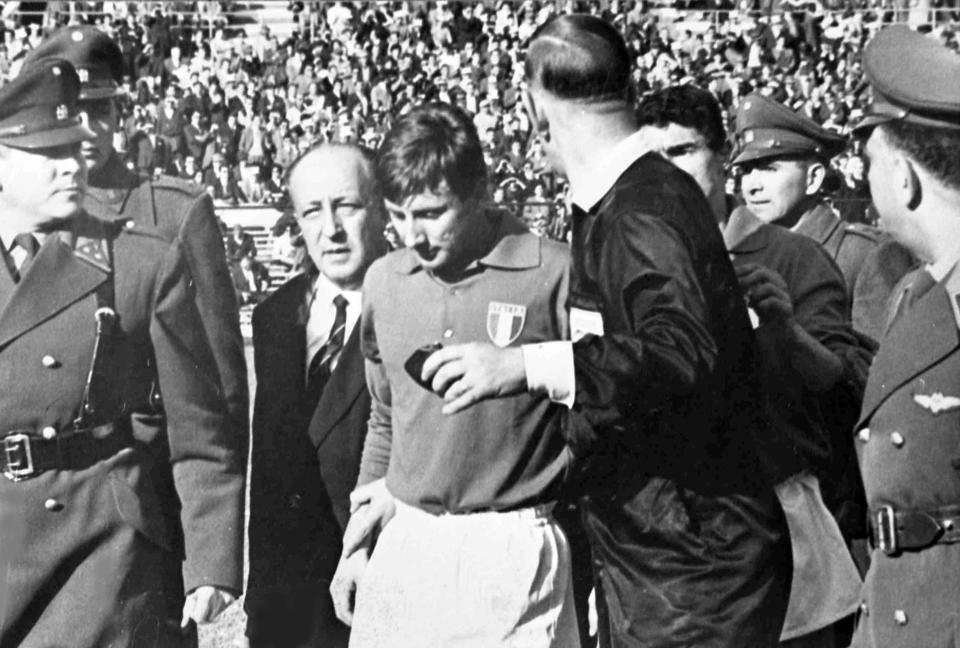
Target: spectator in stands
<point>240,244</point>
<point>250,280</point>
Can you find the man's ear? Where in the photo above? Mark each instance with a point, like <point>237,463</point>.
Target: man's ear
<point>539,124</point>
<point>907,185</point>
<point>816,174</point>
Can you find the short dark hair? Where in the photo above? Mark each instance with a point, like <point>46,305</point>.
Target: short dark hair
<point>935,149</point>
<point>579,57</point>
<point>686,105</point>
<point>431,144</point>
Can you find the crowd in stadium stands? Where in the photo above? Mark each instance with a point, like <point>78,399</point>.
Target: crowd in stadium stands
<point>231,108</point>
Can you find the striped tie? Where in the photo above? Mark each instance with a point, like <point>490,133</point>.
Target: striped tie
<point>320,366</point>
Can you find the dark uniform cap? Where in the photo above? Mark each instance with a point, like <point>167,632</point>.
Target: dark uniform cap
<point>96,57</point>
<point>914,79</point>
<point>767,129</point>
<point>38,108</point>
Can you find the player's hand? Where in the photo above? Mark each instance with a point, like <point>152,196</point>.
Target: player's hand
<point>768,295</point>
<point>343,587</point>
<point>371,508</point>
<point>465,374</point>
<point>205,604</point>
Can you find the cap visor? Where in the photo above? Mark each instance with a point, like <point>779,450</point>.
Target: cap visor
<point>870,121</point>
<point>50,138</point>
<point>99,93</point>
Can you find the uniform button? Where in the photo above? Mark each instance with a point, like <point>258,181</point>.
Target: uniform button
<point>453,291</point>
<point>130,223</point>
<point>864,435</point>
<point>295,501</point>
<point>49,362</point>
<point>448,333</point>
<point>49,432</point>
<point>897,440</point>
<point>864,610</point>
<point>53,505</point>
<point>900,617</point>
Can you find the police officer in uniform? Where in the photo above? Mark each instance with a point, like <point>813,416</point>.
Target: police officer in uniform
<point>908,435</point>
<point>182,211</point>
<point>97,319</point>
<point>784,158</point>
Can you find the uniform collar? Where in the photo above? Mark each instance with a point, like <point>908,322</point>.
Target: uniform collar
<point>819,223</point>
<point>607,171</point>
<point>741,224</point>
<point>516,249</point>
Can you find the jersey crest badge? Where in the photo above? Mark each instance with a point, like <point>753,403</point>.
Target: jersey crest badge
<point>505,322</point>
<point>937,402</point>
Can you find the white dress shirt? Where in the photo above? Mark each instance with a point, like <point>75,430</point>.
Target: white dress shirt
<point>322,312</point>
<point>8,231</point>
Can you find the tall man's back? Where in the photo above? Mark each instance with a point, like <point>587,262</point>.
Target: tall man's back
<point>689,543</point>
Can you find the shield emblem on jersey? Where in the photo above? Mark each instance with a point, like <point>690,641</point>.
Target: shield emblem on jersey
<point>504,322</point>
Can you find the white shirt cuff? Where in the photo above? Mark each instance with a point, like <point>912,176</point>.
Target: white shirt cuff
<point>549,368</point>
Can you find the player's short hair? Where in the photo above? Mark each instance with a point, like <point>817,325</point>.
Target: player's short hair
<point>685,105</point>
<point>935,149</point>
<point>579,57</point>
<point>429,145</point>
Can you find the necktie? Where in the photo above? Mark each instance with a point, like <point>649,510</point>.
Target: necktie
<point>29,244</point>
<point>319,371</point>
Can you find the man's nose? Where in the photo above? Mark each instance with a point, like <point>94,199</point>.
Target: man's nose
<point>332,225</point>
<point>413,234</point>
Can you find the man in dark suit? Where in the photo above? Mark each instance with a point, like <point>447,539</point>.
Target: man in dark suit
<point>117,520</point>
<point>312,405</point>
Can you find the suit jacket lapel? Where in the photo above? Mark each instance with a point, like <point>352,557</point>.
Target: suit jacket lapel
<point>282,340</point>
<point>346,382</point>
<point>55,279</point>
<point>922,336</point>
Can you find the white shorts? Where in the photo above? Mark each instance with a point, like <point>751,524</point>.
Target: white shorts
<point>477,580</point>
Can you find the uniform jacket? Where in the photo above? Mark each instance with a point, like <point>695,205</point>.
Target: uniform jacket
<point>909,450</point>
<point>666,421</point>
<point>305,461</point>
<point>872,263</point>
<point>114,531</point>
<point>182,212</point>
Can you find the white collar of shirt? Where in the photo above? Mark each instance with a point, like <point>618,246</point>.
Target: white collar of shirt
<point>322,312</point>
<point>9,231</point>
<point>942,268</point>
<point>608,170</point>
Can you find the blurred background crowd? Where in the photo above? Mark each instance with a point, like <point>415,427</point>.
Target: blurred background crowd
<point>227,94</point>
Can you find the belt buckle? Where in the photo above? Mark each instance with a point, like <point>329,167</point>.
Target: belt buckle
<point>887,530</point>
<point>19,456</point>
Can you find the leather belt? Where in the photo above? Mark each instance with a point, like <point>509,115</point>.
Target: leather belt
<point>892,530</point>
<point>24,455</point>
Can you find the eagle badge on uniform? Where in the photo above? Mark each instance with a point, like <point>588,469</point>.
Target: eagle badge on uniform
<point>504,322</point>
<point>937,402</point>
